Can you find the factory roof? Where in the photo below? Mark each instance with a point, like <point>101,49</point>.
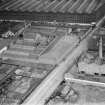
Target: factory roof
<point>69,6</point>
<point>62,8</point>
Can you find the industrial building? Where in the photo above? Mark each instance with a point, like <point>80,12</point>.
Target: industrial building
<point>52,52</point>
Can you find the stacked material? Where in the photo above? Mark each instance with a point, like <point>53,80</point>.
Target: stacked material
<point>91,64</point>
<point>77,94</point>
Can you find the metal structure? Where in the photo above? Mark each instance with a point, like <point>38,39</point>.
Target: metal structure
<point>77,11</point>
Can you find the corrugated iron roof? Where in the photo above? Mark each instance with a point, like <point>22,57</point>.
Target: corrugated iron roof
<point>68,6</point>
<point>76,11</point>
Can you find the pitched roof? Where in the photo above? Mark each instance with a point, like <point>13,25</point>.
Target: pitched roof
<point>78,11</point>
<point>68,6</point>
